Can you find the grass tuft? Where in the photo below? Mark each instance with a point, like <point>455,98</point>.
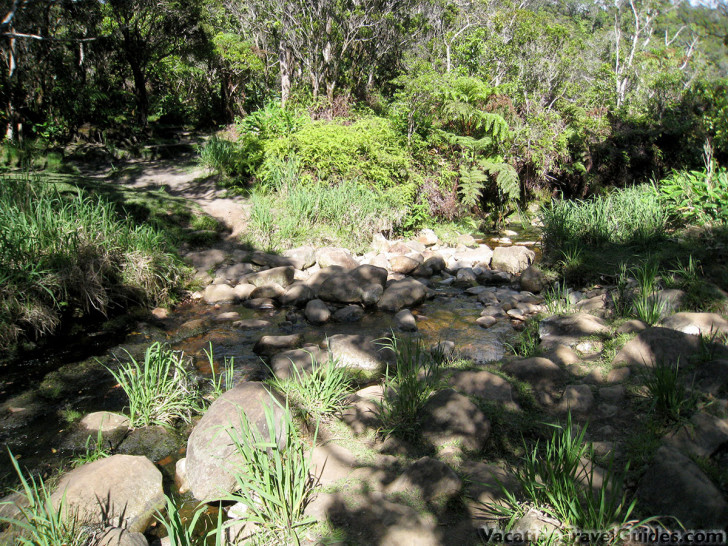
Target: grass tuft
<point>160,390</point>
<point>669,396</point>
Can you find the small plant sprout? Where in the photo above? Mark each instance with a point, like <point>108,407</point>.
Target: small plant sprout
<point>94,450</point>
<point>220,382</point>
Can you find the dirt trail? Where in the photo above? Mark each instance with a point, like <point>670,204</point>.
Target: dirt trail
<point>182,177</point>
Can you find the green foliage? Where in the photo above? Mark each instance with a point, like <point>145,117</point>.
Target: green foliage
<point>274,480</point>
<point>697,197</point>
<point>528,340</point>
<point>556,298</point>
<point>406,389</point>
<point>220,382</point>
<point>94,450</point>
<point>629,216</point>
<point>221,156</point>
<point>186,533</point>
<point>160,390</point>
<point>40,521</point>
<point>668,395</point>
<point>561,481</point>
<point>63,252</point>
<point>318,393</point>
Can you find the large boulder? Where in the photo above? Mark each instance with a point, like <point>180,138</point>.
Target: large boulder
<point>370,274</point>
<point>706,324</point>
<point>532,279</point>
<point>569,329</point>
<point>277,275</point>
<point>212,459</point>
<point>403,264</point>
<point>477,256</point>
<point>340,288</point>
<point>664,346</point>
<point>286,364</point>
<point>270,345</point>
<point>317,312</point>
<point>675,486</point>
<point>120,487</point>
<point>401,294</point>
<point>512,259</point>
<point>301,257</point>
<point>329,256</point>
<point>540,372</point>
<point>449,417</point>
<point>359,352</point>
<point>219,293</point>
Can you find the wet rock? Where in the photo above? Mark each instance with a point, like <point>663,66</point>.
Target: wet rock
<point>405,321</point>
<point>577,399</point>
<point>493,311</point>
<point>430,478</point>
<point>229,316</point>
<point>359,351</point>
<point>403,264</point>
<point>449,417</point>
<point>443,349</point>
<point>532,279</point>
<point>301,257</point>
<point>260,303</point>
<point>251,324</point>
<point>297,294</point>
<point>180,476</point>
<point>282,364</point>
<point>350,313</point>
<point>114,536</point>
<point>154,442</point>
<point>662,345</point>
<point>512,259</point>
<point>270,345</point>
<point>482,384</point>
<point>466,277</point>
<point>697,323</point>
<point>218,293</point>
<point>329,256</point>
<point>486,321</point>
<point>120,486</point>
<point>211,456</point>
<point>488,297</point>
<point>277,275</point>
<point>273,290</point>
<point>400,294</point>
<point>675,486</point>
<point>317,312</point>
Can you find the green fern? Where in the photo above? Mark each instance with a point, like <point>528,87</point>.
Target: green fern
<point>471,185</point>
<point>506,178</point>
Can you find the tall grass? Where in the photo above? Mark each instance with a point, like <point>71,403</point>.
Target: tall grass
<point>61,252</point>
<point>346,213</point>
<point>406,388</point>
<point>160,389</point>
<point>317,393</point>
<point>559,481</point>
<point>41,523</point>
<point>635,215</point>
<point>275,479</point>
<point>669,396</point>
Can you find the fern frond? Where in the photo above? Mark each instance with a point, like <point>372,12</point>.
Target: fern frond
<point>506,178</point>
<point>471,185</point>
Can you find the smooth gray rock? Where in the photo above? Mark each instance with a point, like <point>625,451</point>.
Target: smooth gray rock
<point>317,312</point>
<point>400,294</point>
<point>405,321</point>
<point>512,259</point>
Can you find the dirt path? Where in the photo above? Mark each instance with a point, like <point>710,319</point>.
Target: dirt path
<point>182,177</point>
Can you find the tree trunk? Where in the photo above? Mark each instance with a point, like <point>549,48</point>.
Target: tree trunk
<point>140,91</point>
<point>285,66</point>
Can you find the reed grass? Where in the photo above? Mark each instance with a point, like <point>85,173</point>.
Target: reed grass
<point>63,253</point>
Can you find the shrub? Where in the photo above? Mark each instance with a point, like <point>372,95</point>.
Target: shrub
<point>274,482</point>
<point>71,252</point>
<point>160,390</point>
<point>634,215</point>
<point>40,521</point>
<point>697,197</point>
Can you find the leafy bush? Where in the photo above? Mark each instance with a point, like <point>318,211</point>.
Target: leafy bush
<point>317,393</point>
<point>160,390</point>
<point>63,252</point>
<point>221,155</point>
<point>39,520</point>
<point>275,483</point>
<point>635,215</point>
<point>697,197</point>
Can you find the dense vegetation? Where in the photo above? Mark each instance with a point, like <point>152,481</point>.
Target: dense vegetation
<point>460,105</point>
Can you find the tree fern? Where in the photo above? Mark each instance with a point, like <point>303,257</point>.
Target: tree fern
<point>506,177</point>
<point>471,185</point>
